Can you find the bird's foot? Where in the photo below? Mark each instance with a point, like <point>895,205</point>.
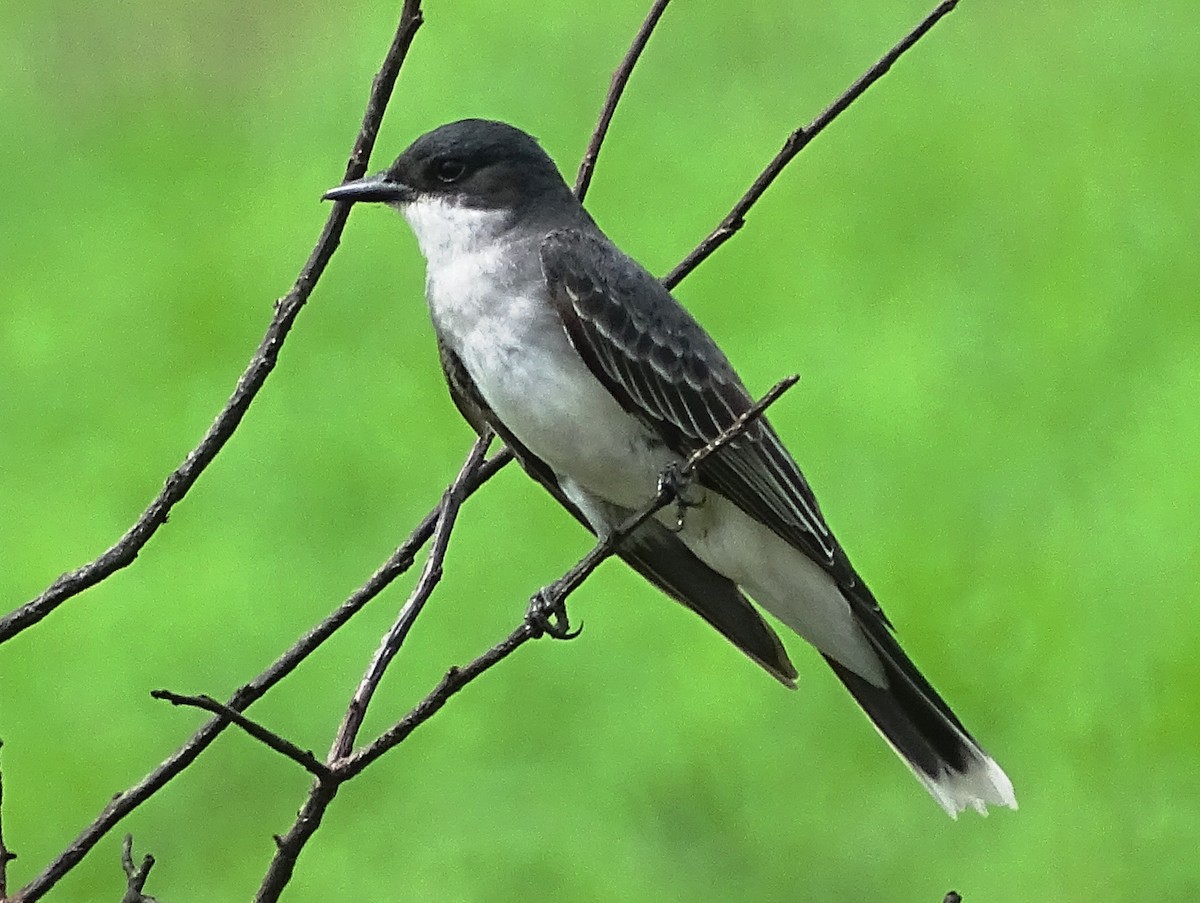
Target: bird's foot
<point>547,616</point>
<point>677,484</point>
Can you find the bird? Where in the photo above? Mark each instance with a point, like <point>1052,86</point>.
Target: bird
<point>600,382</point>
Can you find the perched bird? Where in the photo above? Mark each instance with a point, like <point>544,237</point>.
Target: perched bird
<point>599,381</point>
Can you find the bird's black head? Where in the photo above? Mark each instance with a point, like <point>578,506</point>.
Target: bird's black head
<point>473,163</point>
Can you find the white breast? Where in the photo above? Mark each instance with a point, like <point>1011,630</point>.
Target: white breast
<point>488,301</point>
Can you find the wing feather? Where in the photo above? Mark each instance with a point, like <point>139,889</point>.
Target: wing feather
<point>662,367</point>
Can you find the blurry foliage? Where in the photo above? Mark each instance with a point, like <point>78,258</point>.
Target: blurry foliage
<point>985,273</point>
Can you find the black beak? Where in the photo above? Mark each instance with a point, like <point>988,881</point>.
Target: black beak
<point>378,188</point>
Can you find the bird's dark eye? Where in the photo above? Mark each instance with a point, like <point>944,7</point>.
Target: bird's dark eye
<point>449,170</point>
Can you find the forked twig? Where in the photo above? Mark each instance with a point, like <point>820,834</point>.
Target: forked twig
<point>135,875</point>
<point>431,575</point>
<point>325,787</point>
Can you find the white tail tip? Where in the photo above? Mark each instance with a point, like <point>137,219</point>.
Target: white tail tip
<point>982,783</point>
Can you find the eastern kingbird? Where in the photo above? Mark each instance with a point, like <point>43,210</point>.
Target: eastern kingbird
<point>598,380</point>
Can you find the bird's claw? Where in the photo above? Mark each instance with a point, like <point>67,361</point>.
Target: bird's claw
<point>676,483</point>
<point>547,616</point>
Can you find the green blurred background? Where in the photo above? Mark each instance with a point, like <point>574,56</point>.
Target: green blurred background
<point>985,273</point>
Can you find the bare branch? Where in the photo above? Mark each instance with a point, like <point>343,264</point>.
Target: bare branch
<point>125,802</point>
<point>177,485</point>
<point>616,87</point>
<point>135,876</point>
<point>289,846</point>
<point>431,575</point>
<point>454,680</point>
<point>304,758</point>
<point>322,793</point>
<point>6,855</point>
<point>795,143</point>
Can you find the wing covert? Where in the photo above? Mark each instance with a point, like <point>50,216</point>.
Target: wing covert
<point>663,368</point>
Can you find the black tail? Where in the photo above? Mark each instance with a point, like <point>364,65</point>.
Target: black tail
<point>918,724</point>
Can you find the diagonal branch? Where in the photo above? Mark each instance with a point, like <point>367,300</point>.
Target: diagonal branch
<point>796,142</point>
<point>615,89</point>
<point>431,576</point>
<point>181,480</point>
<point>289,846</point>
<point>285,747</point>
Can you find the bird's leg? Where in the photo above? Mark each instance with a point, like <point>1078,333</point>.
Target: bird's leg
<point>547,615</point>
<point>678,485</point>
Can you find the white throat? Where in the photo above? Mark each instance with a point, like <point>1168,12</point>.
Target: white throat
<point>446,232</point>
<point>473,280</point>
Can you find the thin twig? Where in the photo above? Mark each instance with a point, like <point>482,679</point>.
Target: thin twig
<point>453,681</point>
<point>304,758</point>
<point>289,846</point>
<point>135,876</point>
<point>431,575</point>
<point>126,549</point>
<point>126,801</point>
<point>324,789</point>
<point>616,87</point>
<point>796,142</point>
<point>6,855</point>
